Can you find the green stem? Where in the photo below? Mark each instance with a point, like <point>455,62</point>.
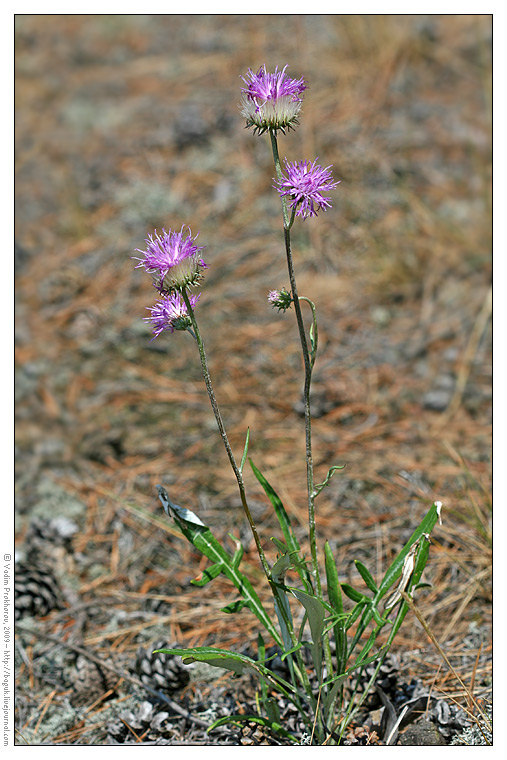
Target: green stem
<point>308,372</point>
<point>308,365</point>
<point>300,668</point>
<point>223,433</point>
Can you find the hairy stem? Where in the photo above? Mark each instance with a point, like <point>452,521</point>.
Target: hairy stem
<point>223,433</point>
<point>309,360</point>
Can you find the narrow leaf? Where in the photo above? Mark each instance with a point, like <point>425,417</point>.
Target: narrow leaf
<point>238,663</point>
<point>236,606</point>
<point>356,596</point>
<point>283,517</point>
<point>208,575</point>
<point>366,576</point>
<point>316,614</point>
<point>245,450</point>
<point>335,597</point>
<point>238,554</point>
<point>395,569</point>
<point>285,524</point>
<point>203,539</point>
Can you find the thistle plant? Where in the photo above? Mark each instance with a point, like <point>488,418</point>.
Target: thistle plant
<point>325,640</point>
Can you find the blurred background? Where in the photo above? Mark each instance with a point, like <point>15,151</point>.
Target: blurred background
<point>125,124</point>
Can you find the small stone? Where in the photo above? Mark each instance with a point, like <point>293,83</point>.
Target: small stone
<point>437,400</point>
<point>380,316</point>
<point>421,734</point>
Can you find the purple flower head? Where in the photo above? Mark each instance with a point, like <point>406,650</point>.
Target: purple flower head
<point>271,101</point>
<point>170,313</point>
<point>173,260</point>
<point>280,299</point>
<point>304,184</point>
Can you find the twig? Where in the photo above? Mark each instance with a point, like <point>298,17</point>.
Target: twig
<point>132,679</point>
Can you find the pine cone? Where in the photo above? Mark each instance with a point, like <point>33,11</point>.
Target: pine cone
<point>36,591</point>
<point>50,542</point>
<point>90,682</point>
<point>58,532</point>
<point>144,720</point>
<point>449,718</point>
<point>161,672</point>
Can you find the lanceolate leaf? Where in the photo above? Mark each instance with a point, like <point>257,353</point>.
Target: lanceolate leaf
<point>335,598</point>
<point>283,517</point>
<point>238,663</point>
<point>351,592</point>
<point>316,615</point>
<point>395,569</point>
<point>366,576</point>
<point>245,450</point>
<point>282,607</point>
<point>202,538</point>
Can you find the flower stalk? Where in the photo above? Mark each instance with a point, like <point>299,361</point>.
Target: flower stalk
<point>223,432</point>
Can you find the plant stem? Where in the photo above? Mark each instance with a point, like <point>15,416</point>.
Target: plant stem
<point>308,375</point>
<point>301,671</point>
<point>309,361</point>
<point>223,433</point>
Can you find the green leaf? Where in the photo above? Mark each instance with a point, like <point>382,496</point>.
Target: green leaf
<point>238,719</point>
<point>208,575</point>
<point>318,488</point>
<point>261,649</point>
<point>358,609</point>
<point>237,663</point>
<point>356,596</point>
<point>283,517</point>
<point>203,539</point>
<point>282,607</point>
<point>236,606</point>
<point>238,554</point>
<point>335,597</point>
<point>366,576</point>
<point>343,676</point>
<point>395,569</point>
<point>316,615</point>
<point>245,451</point>
<point>295,648</point>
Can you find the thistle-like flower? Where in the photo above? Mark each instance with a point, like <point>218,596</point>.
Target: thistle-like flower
<point>304,184</point>
<point>271,101</point>
<point>172,259</point>
<point>170,313</point>
<point>280,299</point>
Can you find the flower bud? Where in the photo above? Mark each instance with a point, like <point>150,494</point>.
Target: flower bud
<point>280,299</point>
